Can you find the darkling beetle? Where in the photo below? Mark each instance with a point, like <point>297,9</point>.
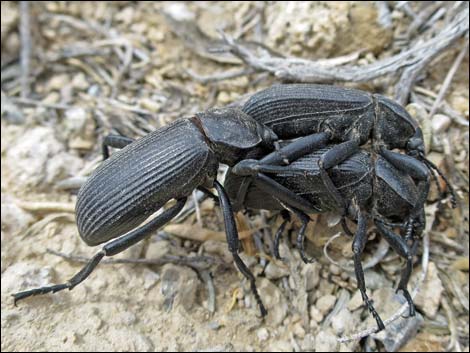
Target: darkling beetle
<point>351,118</point>
<point>145,175</point>
<point>379,192</point>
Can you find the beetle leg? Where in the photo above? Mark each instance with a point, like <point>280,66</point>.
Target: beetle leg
<point>416,169</point>
<point>301,236</point>
<point>401,247</point>
<point>283,194</point>
<point>358,245</point>
<point>332,158</point>
<point>279,232</point>
<point>234,243</point>
<point>279,157</point>
<point>241,194</point>
<point>208,193</point>
<point>115,141</point>
<point>112,248</point>
<point>296,149</point>
<point>432,166</point>
<point>345,227</point>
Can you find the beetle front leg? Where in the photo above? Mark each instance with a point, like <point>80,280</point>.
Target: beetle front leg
<point>401,247</point>
<point>112,248</point>
<point>234,243</point>
<point>358,245</point>
<point>115,141</point>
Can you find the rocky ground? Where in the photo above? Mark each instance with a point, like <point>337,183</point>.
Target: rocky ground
<point>128,68</point>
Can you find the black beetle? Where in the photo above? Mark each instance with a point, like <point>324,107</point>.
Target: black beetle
<point>379,192</point>
<point>144,175</point>
<point>350,117</point>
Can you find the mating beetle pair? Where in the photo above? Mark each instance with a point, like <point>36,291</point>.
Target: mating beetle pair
<point>171,162</point>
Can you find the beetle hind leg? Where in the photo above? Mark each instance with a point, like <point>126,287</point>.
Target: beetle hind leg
<point>234,243</point>
<point>358,245</point>
<point>112,248</point>
<point>400,245</point>
<point>115,141</point>
<point>279,232</point>
<point>301,236</point>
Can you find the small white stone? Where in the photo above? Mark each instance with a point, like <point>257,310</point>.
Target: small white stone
<point>263,334</point>
<point>315,314</point>
<point>440,123</point>
<point>326,303</point>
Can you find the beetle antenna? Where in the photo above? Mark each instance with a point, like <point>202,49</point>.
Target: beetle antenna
<point>432,166</point>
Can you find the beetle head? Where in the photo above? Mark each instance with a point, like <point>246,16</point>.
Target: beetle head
<point>394,126</point>
<point>415,145</point>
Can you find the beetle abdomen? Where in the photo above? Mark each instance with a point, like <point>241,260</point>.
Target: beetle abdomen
<point>294,110</point>
<point>139,179</point>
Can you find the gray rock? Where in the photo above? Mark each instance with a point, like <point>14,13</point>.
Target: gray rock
<point>311,274</point>
<point>274,300</point>
<point>326,341</point>
<point>263,334</point>
<point>24,275</point>
<point>315,314</point>
<point>343,322</point>
<point>37,157</point>
<point>440,123</point>
<point>14,218</point>
<point>325,304</point>
<point>179,286</point>
<point>218,248</point>
<point>274,272</point>
<point>281,346</point>
<point>308,343</point>
<point>430,293</point>
<point>150,278</point>
<point>399,332</point>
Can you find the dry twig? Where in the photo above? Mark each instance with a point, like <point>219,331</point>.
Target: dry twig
<point>25,34</point>
<point>411,61</point>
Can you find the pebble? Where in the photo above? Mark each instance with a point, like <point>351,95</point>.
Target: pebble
<point>14,218</point>
<point>157,249</point>
<point>263,334</point>
<point>326,341</point>
<point>325,303</point>
<point>274,300</point>
<point>311,275</point>
<point>440,123</point>
<point>430,293</point>
<point>214,325</point>
<point>281,346</point>
<point>343,322</point>
<point>308,343</point>
<point>274,272</point>
<point>218,248</point>
<point>150,278</point>
<point>315,314</point>
<point>37,157</point>
<point>25,275</point>
<point>298,330</point>
<point>179,286</point>
<point>356,301</point>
